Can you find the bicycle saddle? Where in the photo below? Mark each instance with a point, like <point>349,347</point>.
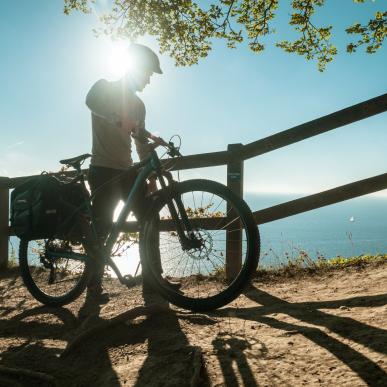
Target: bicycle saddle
<point>75,160</point>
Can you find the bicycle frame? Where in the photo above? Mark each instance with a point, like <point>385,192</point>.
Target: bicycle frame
<point>149,167</point>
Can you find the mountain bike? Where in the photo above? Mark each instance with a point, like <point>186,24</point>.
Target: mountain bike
<point>191,229</point>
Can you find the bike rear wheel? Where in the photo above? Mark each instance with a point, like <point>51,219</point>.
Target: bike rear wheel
<point>54,281</point>
<point>225,228</point>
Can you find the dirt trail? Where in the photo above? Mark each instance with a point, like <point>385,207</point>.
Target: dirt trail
<point>327,329</point>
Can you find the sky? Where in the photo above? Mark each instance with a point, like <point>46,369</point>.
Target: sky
<point>49,61</point>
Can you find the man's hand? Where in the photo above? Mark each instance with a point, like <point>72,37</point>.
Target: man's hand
<point>158,140</point>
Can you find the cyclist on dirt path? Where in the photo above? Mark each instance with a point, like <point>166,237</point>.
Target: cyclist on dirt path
<point>118,115</point>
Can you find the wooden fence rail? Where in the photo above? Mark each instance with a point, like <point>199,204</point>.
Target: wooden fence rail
<point>309,129</point>
<point>321,125</point>
<point>234,156</point>
<point>322,199</point>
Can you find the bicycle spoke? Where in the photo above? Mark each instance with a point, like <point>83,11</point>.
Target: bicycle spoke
<point>54,277</point>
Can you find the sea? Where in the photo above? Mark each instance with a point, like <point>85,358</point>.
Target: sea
<point>350,228</point>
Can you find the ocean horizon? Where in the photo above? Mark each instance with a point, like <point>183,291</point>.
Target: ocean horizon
<point>350,228</point>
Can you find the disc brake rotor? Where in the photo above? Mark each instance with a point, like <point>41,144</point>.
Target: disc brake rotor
<point>202,253</point>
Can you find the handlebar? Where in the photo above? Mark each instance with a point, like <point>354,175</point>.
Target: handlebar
<point>173,151</point>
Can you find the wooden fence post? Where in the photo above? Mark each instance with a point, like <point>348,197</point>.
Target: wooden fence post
<point>234,235</point>
<point>4,218</point>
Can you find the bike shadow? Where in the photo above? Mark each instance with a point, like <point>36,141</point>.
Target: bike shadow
<point>154,340</point>
<point>231,349</point>
<point>153,348</point>
<point>309,312</point>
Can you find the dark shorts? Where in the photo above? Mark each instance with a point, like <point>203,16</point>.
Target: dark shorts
<point>108,186</point>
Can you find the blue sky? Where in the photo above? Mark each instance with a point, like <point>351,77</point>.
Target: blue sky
<point>49,61</point>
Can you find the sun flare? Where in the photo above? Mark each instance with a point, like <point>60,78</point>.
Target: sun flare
<point>119,60</point>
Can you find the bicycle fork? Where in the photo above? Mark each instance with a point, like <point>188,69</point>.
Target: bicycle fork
<point>184,229</point>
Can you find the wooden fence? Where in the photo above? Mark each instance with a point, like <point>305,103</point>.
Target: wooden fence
<point>234,158</point>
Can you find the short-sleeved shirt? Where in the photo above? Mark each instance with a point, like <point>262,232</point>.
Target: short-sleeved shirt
<point>111,103</point>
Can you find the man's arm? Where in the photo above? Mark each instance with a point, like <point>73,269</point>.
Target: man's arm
<point>141,136</point>
<point>99,101</point>
<point>143,146</point>
<point>157,140</point>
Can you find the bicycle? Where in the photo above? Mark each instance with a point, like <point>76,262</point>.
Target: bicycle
<point>183,237</point>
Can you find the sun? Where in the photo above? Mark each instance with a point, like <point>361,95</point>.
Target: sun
<point>118,59</point>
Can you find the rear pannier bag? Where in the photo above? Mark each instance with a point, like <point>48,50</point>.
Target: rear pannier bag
<point>41,205</point>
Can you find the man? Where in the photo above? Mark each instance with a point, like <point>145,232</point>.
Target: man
<point>118,115</point>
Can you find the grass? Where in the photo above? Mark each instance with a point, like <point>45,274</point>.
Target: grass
<point>295,265</point>
<point>303,264</point>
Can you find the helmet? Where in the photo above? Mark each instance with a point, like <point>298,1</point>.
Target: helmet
<point>145,57</point>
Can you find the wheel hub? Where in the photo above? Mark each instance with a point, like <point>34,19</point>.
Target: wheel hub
<point>203,252</point>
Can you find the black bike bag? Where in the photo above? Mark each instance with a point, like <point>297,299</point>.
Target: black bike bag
<point>35,207</point>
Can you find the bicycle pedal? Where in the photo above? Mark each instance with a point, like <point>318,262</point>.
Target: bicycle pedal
<point>129,281</point>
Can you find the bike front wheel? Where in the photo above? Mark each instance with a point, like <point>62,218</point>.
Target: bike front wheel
<point>55,271</point>
<point>214,269</point>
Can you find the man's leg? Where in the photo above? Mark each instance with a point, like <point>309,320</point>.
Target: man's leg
<point>140,207</point>
<point>153,267</point>
<point>153,264</point>
<point>105,196</point>
<point>105,199</point>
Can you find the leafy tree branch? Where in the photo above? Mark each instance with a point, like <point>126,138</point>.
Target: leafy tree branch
<point>372,34</point>
<point>314,41</point>
<point>186,29</point>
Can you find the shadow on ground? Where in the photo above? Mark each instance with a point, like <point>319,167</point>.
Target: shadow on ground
<point>154,349</point>
<point>309,312</point>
